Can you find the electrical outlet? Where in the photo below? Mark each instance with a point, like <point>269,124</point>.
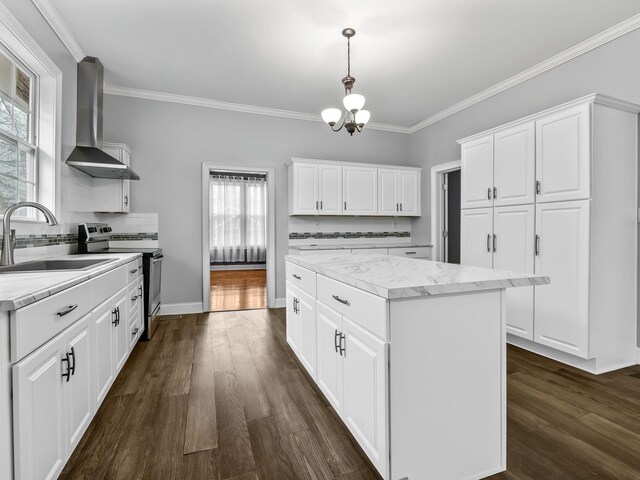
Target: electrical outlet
<point>394,223</point>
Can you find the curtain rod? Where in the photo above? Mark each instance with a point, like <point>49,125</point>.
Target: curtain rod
<point>237,175</point>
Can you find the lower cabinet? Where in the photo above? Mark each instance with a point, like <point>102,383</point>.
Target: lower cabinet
<point>301,331</point>
<point>120,328</point>
<point>103,351</point>
<point>352,372</point>
<point>52,402</point>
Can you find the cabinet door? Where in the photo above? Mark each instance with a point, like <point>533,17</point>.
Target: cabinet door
<point>476,181</point>
<point>330,188</point>
<point>563,155</point>
<point>514,229</point>
<point>307,326</point>
<point>121,330</point>
<point>292,317</point>
<point>562,307</point>
<point>365,404</point>
<point>103,356</point>
<point>305,189</point>
<point>388,203</point>
<point>78,392</point>
<point>38,413</point>
<point>476,230</point>
<point>514,165</point>
<point>360,190</point>
<point>329,366</point>
<point>126,184</point>
<point>409,193</point>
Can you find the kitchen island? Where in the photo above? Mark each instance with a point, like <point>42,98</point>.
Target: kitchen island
<point>412,356</point>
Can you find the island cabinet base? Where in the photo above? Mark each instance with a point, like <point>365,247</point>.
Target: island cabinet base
<point>447,386</point>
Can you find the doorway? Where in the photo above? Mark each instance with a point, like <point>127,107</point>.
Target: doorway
<point>238,238</point>
<point>445,212</point>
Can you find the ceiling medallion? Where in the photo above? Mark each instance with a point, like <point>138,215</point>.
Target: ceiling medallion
<point>354,118</point>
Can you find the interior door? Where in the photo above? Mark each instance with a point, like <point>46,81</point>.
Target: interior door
<point>329,368</point>
<point>476,237</point>
<point>307,326</point>
<point>452,217</point>
<point>292,317</point>
<point>514,165</point>
<point>103,350</point>
<point>330,188</point>
<point>514,240</point>
<point>305,189</point>
<point>365,407</point>
<point>562,307</point>
<point>388,203</point>
<point>360,190</point>
<point>38,413</point>
<point>409,193</point>
<point>563,155</point>
<point>477,173</point>
<point>78,392</point>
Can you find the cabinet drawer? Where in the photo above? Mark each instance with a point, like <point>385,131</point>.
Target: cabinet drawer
<point>381,251</point>
<point>411,252</point>
<point>302,278</point>
<point>134,330</point>
<point>107,284</point>
<point>335,251</point>
<point>134,269</point>
<point>365,309</point>
<point>135,297</point>
<point>39,322</point>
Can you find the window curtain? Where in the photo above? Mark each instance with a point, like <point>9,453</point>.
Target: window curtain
<point>238,223</point>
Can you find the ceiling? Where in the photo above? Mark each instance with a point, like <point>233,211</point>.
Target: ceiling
<point>411,58</point>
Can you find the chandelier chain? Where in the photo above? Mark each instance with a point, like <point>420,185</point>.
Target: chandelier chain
<point>348,56</point>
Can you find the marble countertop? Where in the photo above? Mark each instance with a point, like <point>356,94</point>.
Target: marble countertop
<point>18,289</point>
<point>399,277</point>
<point>346,246</point>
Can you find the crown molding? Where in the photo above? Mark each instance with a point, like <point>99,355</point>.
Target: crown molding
<point>60,27</point>
<point>592,43</point>
<point>235,107</point>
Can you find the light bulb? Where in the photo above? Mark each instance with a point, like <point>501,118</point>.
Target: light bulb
<point>362,117</point>
<point>353,102</point>
<point>331,115</point>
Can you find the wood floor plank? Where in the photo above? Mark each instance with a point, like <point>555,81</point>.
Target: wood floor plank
<point>179,379</point>
<point>201,465</point>
<point>307,457</point>
<point>201,431</point>
<point>238,289</point>
<point>270,450</point>
<point>235,453</point>
<point>364,474</point>
<point>203,345</point>
<point>336,446</point>
<point>254,399</point>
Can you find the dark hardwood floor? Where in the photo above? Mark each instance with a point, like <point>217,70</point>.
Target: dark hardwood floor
<point>238,289</point>
<point>218,396</point>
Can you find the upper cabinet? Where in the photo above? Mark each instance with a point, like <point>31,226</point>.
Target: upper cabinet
<point>514,165</point>
<point>563,146</point>
<point>318,187</point>
<point>476,180</point>
<point>360,190</point>
<point>109,194</point>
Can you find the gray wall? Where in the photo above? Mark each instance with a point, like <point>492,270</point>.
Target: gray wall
<point>169,144</point>
<point>612,69</point>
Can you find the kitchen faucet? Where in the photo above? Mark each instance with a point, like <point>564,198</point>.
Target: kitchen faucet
<point>9,236</point>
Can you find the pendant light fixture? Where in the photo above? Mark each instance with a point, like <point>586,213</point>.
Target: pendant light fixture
<point>355,118</point>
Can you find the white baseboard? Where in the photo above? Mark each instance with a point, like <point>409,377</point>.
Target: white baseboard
<point>180,308</point>
<point>214,268</point>
<point>282,302</point>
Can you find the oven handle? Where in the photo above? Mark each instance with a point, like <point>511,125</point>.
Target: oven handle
<point>157,259</point>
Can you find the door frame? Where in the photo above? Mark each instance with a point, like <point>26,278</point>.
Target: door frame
<point>437,218</point>
<point>271,236</point>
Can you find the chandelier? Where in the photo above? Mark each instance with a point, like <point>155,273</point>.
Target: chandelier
<point>355,118</point>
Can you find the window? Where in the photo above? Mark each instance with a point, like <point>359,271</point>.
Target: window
<point>18,152</point>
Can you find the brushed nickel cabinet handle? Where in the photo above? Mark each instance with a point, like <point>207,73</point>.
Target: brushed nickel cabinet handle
<point>488,242</point>
<point>338,299</point>
<point>67,310</point>
<point>297,277</point>
<point>495,242</point>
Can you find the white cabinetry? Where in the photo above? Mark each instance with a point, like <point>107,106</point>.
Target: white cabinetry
<point>574,219</point>
<point>113,195</point>
<point>320,187</point>
<point>563,145</point>
<point>301,334</point>
<point>360,190</point>
<point>398,192</point>
<point>103,351</point>
<point>329,363</point>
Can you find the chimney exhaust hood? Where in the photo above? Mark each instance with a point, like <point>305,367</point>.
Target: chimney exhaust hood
<point>88,155</point>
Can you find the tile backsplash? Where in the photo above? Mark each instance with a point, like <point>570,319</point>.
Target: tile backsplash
<point>332,235</point>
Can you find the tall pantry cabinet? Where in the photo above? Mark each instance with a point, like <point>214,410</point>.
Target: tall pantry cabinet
<point>556,194</point>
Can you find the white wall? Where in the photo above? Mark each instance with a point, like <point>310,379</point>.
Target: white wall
<point>169,144</point>
<point>612,69</point>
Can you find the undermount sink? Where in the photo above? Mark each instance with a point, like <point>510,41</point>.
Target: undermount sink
<point>54,265</point>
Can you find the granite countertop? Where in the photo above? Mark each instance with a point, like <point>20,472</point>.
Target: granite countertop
<point>399,277</point>
<point>346,246</point>
<point>20,289</point>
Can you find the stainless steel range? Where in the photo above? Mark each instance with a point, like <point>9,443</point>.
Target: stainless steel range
<point>94,238</point>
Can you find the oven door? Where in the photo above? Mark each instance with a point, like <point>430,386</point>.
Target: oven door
<point>155,284</point>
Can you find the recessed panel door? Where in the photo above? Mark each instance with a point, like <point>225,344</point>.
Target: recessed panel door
<point>307,326</point>
<point>360,190</point>
<point>305,189</point>
<point>408,193</point>
<point>329,368</point>
<point>388,203</point>
<point>514,165</point>
<point>477,173</point>
<point>476,237</point>
<point>330,188</point>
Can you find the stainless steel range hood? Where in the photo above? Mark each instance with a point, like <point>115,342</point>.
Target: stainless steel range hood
<point>88,155</point>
